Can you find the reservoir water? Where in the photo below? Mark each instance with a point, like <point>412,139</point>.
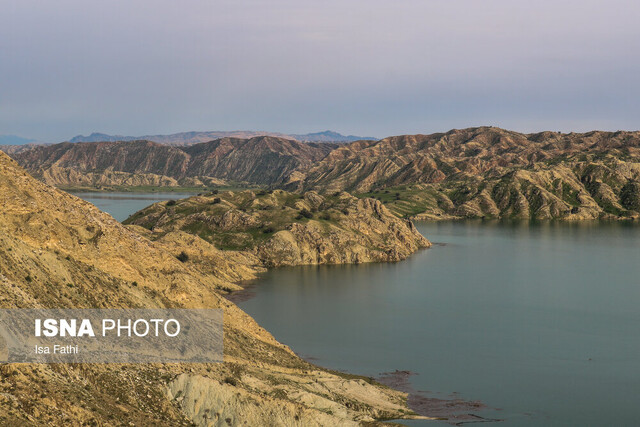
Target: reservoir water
<point>123,204</point>
<point>539,321</point>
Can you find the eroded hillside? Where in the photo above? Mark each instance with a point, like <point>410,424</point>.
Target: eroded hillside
<point>489,172</point>
<point>260,161</point>
<point>57,251</point>
<point>283,228</point>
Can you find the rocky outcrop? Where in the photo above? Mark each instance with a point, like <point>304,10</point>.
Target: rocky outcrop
<point>309,403</point>
<point>283,228</point>
<point>367,232</point>
<point>57,251</point>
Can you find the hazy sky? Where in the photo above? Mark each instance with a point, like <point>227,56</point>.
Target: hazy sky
<point>368,67</point>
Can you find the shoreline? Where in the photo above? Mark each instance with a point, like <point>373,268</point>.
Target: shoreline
<point>434,218</point>
<point>152,189</point>
<point>452,410</point>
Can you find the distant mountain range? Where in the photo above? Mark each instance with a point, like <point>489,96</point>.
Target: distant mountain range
<point>330,136</point>
<point>185,138</point>
<point>15,140</point>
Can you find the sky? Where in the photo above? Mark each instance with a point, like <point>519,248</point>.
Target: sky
<point>364,67</point>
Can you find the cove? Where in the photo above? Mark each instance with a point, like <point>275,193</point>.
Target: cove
<point>121,205</point>
<point>539,320</point>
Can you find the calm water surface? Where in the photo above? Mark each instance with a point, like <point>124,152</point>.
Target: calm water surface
<point>122,205</point>
<point>539,320</point>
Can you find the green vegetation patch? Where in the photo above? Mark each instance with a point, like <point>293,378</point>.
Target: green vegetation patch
<point>406,200</point>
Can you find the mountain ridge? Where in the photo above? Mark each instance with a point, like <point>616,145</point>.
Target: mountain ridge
<point>488,172</point>
<point>481,172</point>
<point>259,160</point>
<point>194,137</point>
<point>15,140</point>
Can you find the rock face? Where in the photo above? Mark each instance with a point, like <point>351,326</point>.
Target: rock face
<point>259,160</point>
<point>57,251</point>
<point>262,160</point>
<point>365,232</point>
<point>488,172</point>
<point>282,228</point>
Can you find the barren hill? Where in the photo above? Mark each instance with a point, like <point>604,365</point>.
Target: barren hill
<point>57,251</point>
<point>260,160</point>
<point>489,172</point>
<point>263,160</point>
<point>283,228</point>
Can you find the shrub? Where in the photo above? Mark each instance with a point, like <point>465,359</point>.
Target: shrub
<point>183,257</point>
<point>230,380</point>
<point>171,203</point>
<point>216,201</point>
<point>134,284</point>
<point>305,213</point>
<point>28,279</point>
<point>268,230</point>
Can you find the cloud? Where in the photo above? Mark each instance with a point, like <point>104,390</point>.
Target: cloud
<point>358,66</point>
